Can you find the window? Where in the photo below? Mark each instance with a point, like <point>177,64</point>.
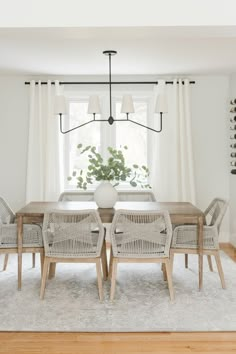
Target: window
<point>133,135</point>
<point>87,135</point>
<point>102,135</point>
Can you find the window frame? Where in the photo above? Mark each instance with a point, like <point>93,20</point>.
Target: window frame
<point>107,132</point>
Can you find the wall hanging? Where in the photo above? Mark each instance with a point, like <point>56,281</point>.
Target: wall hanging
<point>233,135</point>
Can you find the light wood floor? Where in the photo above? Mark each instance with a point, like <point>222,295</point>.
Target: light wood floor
<point>120,343</point>
<point>229,250</point>
<point>123,343</point>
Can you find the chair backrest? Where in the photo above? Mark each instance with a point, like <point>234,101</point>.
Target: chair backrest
<point>136,195</point>
<point>123,195</point>
<point>73,234</point>
<point>76,196</point>
<point>141,234</point>
<point>215,212</point>
<point>6,214</point>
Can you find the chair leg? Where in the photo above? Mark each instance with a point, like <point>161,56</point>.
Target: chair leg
<point>44,277</point>
<point>163,268</point>
<point>99,276</point>
<point>186,260</point>
<point>19,270</point>
<point>210,263</point>
<point>113,278</point>
<point>33,260</point>
<point>104,261</point>
<point>110,264</point>
<point>220,270</point>
<point>169,279</point>
<point>41,261</point>
<point>5,262</point>
<point>171,261</point>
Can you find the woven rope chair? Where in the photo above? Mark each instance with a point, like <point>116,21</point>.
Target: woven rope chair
<point>185,239</point>
<point>32,235</point>
<point>140,236</point>
<point>136,196</point>
<point>74,237</point>
<point>76,196</point>
<point>123,195</point>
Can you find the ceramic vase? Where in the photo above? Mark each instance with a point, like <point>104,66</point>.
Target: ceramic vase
<point>105,195</point>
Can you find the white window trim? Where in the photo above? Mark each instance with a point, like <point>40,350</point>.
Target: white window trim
<point>107,133</point>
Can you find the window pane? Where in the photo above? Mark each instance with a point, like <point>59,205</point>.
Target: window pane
<point>86,135</point>
<point>132,135</point>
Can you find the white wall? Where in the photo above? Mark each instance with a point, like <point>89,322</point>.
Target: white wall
<point>13,139</point>
<point>210,139</point>
<point>232,95</point>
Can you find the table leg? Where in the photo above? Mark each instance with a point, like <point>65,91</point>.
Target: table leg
<point>200,250</point>
<point>19,243</point>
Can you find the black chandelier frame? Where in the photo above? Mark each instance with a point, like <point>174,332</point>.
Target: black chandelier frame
<point>111,119</point>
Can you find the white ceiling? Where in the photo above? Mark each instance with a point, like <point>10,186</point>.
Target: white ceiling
<point>143,51</point>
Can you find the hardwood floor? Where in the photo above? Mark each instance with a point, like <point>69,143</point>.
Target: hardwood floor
<point>229,250</point>
<point>121,343</point>
<point>109,343</point>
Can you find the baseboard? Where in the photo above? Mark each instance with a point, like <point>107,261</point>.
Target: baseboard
<point>229,249</point>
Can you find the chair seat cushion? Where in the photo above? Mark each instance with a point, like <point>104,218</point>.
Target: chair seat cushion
<point>32,236</point>
<point>186,236</point>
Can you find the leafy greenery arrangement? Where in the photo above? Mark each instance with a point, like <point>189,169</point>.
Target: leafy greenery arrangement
<point>114,169</point>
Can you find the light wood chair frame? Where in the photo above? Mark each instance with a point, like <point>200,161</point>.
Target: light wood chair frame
<point>208,253</point>
<point>6,259</point>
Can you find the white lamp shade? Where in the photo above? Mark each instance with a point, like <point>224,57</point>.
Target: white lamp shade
<point>161,104</point>
<point>127,104</point>
<point>60,105</point>
<point>94,105</point>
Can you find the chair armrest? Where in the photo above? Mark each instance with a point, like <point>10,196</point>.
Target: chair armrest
<point>191,228</point>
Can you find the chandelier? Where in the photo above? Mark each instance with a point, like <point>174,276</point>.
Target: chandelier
<point>127,106</point>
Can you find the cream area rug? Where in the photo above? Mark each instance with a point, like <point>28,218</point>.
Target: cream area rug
<point>141,302</point>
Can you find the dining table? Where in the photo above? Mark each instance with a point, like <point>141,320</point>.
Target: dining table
<point>180,213</point>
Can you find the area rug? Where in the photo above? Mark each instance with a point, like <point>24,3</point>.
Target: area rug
<point>141,302</point>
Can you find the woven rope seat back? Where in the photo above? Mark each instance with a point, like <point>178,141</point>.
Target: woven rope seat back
<point>73,234</point>
<point>6,214</point>
<point>141,234</point>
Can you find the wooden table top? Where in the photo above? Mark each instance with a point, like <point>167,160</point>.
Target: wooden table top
<point>176,209</point>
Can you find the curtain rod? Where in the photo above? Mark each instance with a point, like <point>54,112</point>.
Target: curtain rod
<point>106,83</point>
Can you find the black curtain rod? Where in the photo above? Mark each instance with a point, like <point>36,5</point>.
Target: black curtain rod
<point>107,83</point>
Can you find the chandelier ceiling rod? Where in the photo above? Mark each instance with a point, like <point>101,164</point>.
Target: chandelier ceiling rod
<point>107,82</point>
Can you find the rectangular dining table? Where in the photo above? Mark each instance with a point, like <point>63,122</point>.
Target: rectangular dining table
<point>180,213</point>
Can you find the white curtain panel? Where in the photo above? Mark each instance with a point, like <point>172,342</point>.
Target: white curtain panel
<point>172,163</point>
<point>44,179</point>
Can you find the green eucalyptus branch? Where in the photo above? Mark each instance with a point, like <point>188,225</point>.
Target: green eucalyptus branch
<point>114,169</point>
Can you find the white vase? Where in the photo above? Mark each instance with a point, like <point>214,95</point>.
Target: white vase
<point>105,195</point>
